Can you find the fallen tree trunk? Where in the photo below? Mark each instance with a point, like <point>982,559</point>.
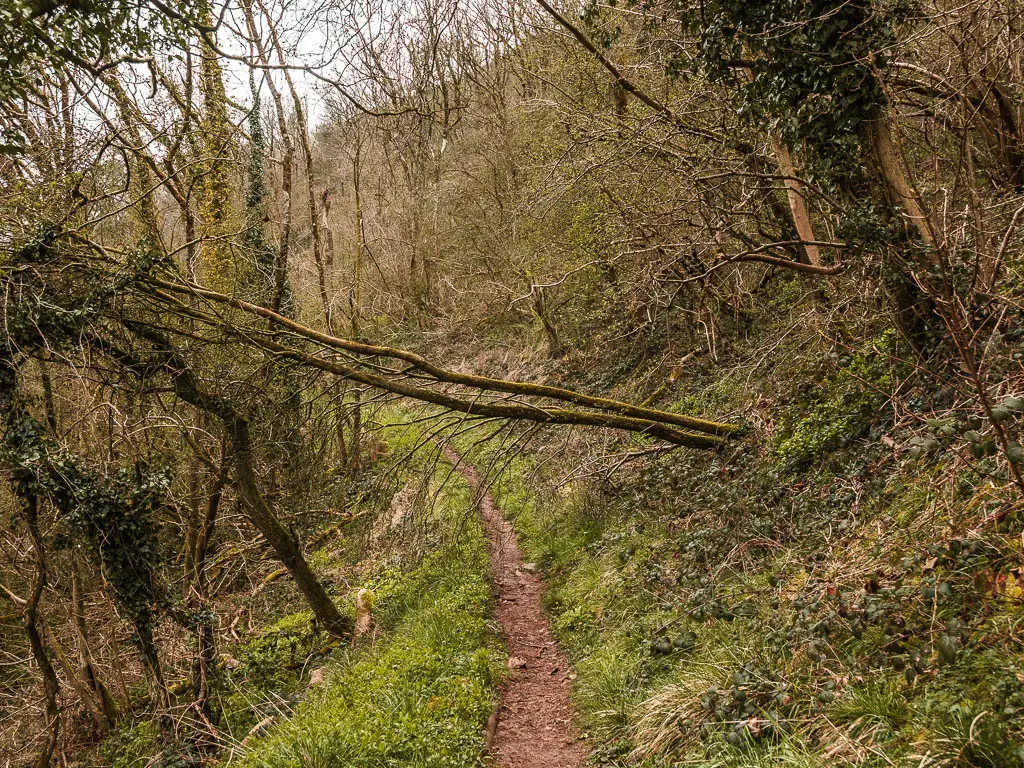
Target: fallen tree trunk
<point>636,418</point>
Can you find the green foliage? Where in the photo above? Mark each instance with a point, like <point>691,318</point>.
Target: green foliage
<point>132,745</point>
<point>813,65</point>
<point>738,622</point>
<point>114,513</point>
<point>263,255</point>
<point>838,409</point>
<point>975,738</point>
<point>588,228</point>
<point>264,679</point>
<point>273,661</point>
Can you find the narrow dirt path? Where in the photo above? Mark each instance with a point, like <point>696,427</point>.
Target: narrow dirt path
<point>533,725</point>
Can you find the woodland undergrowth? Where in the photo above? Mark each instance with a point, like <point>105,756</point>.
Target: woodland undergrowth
<point>843,589</point>
<point>415,690</point>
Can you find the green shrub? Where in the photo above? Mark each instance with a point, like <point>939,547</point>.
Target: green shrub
<point>132,745</point>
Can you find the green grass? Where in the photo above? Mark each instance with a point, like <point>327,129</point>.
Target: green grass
<point>419,695</point>
<point>867,706</point>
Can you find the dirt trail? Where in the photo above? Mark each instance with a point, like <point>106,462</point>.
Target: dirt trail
<point>534,721</point>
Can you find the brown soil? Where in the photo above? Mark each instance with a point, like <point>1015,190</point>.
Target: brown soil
<point>532,727</point>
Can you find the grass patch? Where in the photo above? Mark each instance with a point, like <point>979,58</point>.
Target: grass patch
<point>417,698</point>
<point>420,693</point>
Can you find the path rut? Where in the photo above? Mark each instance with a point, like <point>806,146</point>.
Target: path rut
<point>533,727</point>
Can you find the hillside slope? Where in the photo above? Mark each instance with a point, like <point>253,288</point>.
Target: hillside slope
<point>840,587</point>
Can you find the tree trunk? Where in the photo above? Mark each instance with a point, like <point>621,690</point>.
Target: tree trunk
<point>917,316</point>
<point>80,682</point>
<point>901,193</point>
<point>540,308</point>
<point>287,163</point>
<point>39,652</point>
<point>307,153</point>
<point>86,662</point>
<point>355,449</point>
<point>205,661</point>
<point>283,543</point>
<point>187,387</point>
<point>796,194</point>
